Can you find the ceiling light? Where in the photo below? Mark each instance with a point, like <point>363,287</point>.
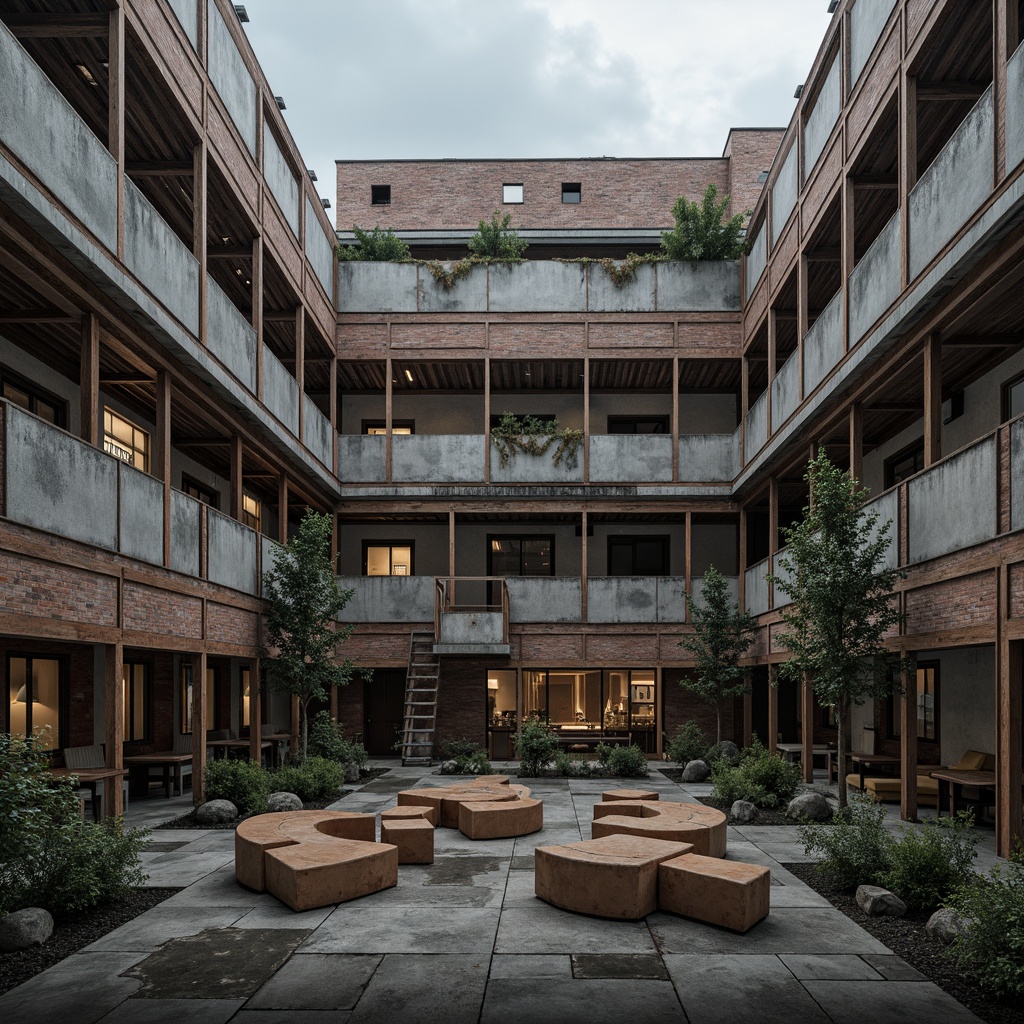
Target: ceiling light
<point>238,271</point>
<point>279,100</point>
<point>225,239</point>
<point>86,74</point>
<point>241,12</point>
<point>408,376</point>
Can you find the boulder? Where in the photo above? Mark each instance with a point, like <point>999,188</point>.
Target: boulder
<point>29,927</point>
<point>695,771</point>
<point>878,902</point>
<point>946,925</point>
<point>450,768</point>
<point>727,751</point>
<point>216,812</point>
<point>809,807</point>
<point>351,773</point>
<point>283,802</point>
<point>743,812</point>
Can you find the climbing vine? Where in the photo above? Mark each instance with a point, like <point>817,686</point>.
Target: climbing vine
<point>621,272</point>
<point>534,436</point>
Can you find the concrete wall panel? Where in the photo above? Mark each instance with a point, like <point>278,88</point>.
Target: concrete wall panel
<point>142,515</point>
<point>784,194</point>
<point>361,458</point>
<point>437,458</point>
<point>317,431</point>
<point>537,469</point>
<point>875,281</point>
<point>377,287</point>
<point>280,391</point>
<point>823,117</point>
<point>706,287</point>
<point>953,505</point>
<point>756,432</point>
<point>57,483</point>
<point>230,76</point>
<point>388,599</point>
<point>823,343</point>
<point>780,600</point>
<point>636,296</point>
<point>756,579</point>
<point>888,508</point>
<point>471,628</point>
<point>537,286</point>
<point>710,458</point>
<point>231,553</point>
<point>185,513</point>
<point>467,295</point>
<point>867,19</point>
<point>320,250</point>
<point>732,584</point>
<point>230,337</point>
<point>281,179</point>
<point>629,458</point>
<point>188,16</point>
<point>1017,475</point>
<point>785,391</point>
<point>953,187</point>
<point>544,598</point>
<point>756,259</point>
<point>49,137</point>
<point>622,599</point>
<point>1015,110</point>
<point>671,603</point>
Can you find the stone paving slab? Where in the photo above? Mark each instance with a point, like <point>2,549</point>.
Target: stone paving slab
<point>546,929</point>
<point>842,967</point>
<point>156,926</point>
<point>173,1011</point>
<point>364,929</point>
<point>317,981</point>
<point>892,967</point>
<point>888,1002</point>
<point>580,1002</point>
<point>292,1017</point>
<point>527,965</point>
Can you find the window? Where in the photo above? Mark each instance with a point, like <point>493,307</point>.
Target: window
<point>378,427</point>
<point>194,489</point>
<point>925,695</point>
<point>252,512</point>
<point>1013,398</point>
<point>638,556</point>
<point>212,686</point>
<point>34,400</point>
<point>36,696</point>
<point>136,676</point>
<point>512,193</point>
<point>638,425</point>
<point>905,463</point>
<point>763,176</point>
<point>380,195</point>
<point>245,681</point>
<point>572,192</point>
<point>513,555</point>
<point>388,558</point>
<point>125,441</point>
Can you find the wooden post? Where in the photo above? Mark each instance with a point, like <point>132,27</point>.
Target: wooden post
<point>199,728</point>
<point>115,111</point>
<point>773,531</point>
<point>932,400</point>
<point>773,345</point>
<point>807,728</point>
<point>255,712</point>
<point>773,708</point>
<point>908,741</point>
<point>487,419</point>
<point>688,567</point>
<point>586,419</point>
<point>802,319</point>
<point>114,697</point>
<point>294,715</point>
<point>256,307</point>
<point>236,477</point>
<point>857,441</point>
<point>282,509</point>
<point>451,545</point>
<point>162,460</point>
<point>748,717</point>
<point>584,604</point>
<point>1009,727</point>
<point>335,417</point>
<point>847,253</point>
<point>300,366</point>
<point>388,395</point>
<point>908,165</point>
<point>676,469</point>
<point>89,379</point>
<point>199,249</point>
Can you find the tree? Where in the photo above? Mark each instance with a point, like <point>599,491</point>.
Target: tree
<point>300,632</point>
<point>699,233</point>
<point>722,632</point>
<point>495,239</point>
<point>842,598</point>
<point>375,245</point>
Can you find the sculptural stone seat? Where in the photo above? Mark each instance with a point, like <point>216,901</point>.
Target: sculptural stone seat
<point>703,827</point>
<point>727,893</point>
<point>503,810</point>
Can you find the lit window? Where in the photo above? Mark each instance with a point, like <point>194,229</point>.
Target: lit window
<point>125,441</point>
<point>388,559</point>
<point>378,427</point>
<point>186,697</point>
<point>572,192</point>
<point>246,681</point>
<point>252,512</point>
<point>380,195</point>
<point>512,193</point>
<point>34,697</point>
<point>135,675</point>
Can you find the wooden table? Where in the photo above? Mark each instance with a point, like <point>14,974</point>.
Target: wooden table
<point>950,778</point>
<point>795,751</point>
<point>89,777</point>
<point>882,760</point>
<point>229,745</point>
<point>168,760</point>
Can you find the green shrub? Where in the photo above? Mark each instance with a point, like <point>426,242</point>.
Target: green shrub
<point>853,846</point>
<point>763,778</point>
<point>245,783</point>
<point>536,746</point>
<point>327,740</point>
<point>313,781</point>
<point>714,754</point>
<point>469,757</point>
<point>729,785</point>
<point>689,744</point>
<point>376,245</point>
<point>926,865</point>
<point>49,857</point>
<point>700,233</point>
<point>497,240</point>
<point>992,951</point>
<point>627,762</point>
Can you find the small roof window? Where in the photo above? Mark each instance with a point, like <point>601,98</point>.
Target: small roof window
<point>512,193</point>
<point>380,195</point>
<point>572,192</point>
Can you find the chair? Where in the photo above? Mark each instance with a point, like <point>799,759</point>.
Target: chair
<point>183,745</point>
<point>91,757</point>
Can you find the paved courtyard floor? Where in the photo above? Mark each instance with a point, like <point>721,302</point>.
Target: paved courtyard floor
<point>466,940</point>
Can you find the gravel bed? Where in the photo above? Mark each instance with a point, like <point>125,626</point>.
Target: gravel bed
<point>765,816</point>
<point>70,934</point>
<point>906,937</point>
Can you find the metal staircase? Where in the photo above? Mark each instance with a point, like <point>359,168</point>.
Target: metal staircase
<point>420,711</point>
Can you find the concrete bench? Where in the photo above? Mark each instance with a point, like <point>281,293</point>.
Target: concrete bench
<point>413,837</point>
<point>613,877</point>
<point>410,812</point>
<point>520,817</point>
<point>501,819</point>
<point>312,859</point>
<point>721,892</point>
<point>704,828</point>
<point>613,795</point>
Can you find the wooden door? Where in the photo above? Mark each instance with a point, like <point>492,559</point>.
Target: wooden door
<point>383,698</point>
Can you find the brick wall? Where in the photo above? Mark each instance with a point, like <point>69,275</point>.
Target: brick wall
<point>162,611</point>
<point>33,587</point>
<point>462,704</point>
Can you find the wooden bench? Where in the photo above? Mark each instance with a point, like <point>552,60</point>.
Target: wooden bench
<point>726,893</point>
<point>704,828</point>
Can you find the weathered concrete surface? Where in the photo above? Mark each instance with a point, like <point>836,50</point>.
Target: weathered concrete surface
<point>280,391</point>
<point>887,507</point>
<point>229,336</point>
<point>823,343</point>
<point>437,458</point>
<point>537,286</point>
<point>361,458</point>
<point>377,287</point>
<point>467,295</point>
<point>230,76</point>
<point>875,281</point>
<point>630,458</point>
<point>544,598</point>
<point>41,460</point>
<point>142,515</point>
<point>188,16</point>
<point>636,296</point>
<point>185,533</point>
<point>706,287</point>
<point>622,599</point>
<point>867,19</point>
<point>317,431</point>
<point>953,505</point>
<point>471,628</point>
<point>823,117</point>
<point>47,135</point>
<point>159,258</point>
<point>756,578</point>
<point>709,457</point>
<point>231,553</point>
<point>320,250</point>
<point>1015,110</point>
<point>1017,475</point>
<point>779,599</point>
<point>671,603</point>
<point>953,187</point>
<point>537,469</point>
<point>732,585</point>
<point>280,178</point>
<point>268,555</point>
<point>756,259</point>
<point>756,427</point>
<point>388,599</point>
<point>784,194</point>
<point>786,391</point>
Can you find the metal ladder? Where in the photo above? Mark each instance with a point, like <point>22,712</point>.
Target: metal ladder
<point>420,712</point>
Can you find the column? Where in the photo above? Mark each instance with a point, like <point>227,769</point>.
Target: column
<point>198,728</point>
<point>162,454</point>
<point>773,708</point>
<point>932,400</point>
<point>908,740</point>
<point>114,703</point>
<point>89,379</point>
<point>807,728</point>
<point>255,711</point>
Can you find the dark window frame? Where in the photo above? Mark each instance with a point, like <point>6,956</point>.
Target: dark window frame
<point>663,421</point>
<point>623,540</point>
<point>549,537</point>
<point>914,450</point>
<point>63,693</point>
<point>35,394</point>
<point>1004,395</point>
<point>190,484</point>
<point>390,543</point>
<point>147,699</point>
<point>380,195</point>
<point>893,707</point>
<point>572,188</point>
<point>382,424</point>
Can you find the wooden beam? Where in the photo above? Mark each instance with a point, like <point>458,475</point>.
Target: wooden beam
<point>160,168</point>
<point>908,740</point>
<point>985,341</point>
<point>49,26</point>
<point>113,685</point>
<point>89,379</point>
<point>37,316</point>
<point>868,184</point>
<point>934,91</point>
<point>856,441</point>
<point>236,477</point>
<point>126,378</point>
<point>234,252</point>
<point>198,728</point>
<point>893,407</point>
<point>932,400</point>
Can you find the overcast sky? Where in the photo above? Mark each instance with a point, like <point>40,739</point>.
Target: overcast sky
<point>390,79</point>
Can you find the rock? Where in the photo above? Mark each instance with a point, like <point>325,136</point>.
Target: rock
<point>726,750</point>
<point>878,902</point>
<point>946,925</point>
<point>216,812</point>
<point>283,802</point>
<point>449,768</point>
<point>743,812</point>
<point>29,927</point>
<point>695,771</point>
<point>809,807</point>
<point>351,773</point>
